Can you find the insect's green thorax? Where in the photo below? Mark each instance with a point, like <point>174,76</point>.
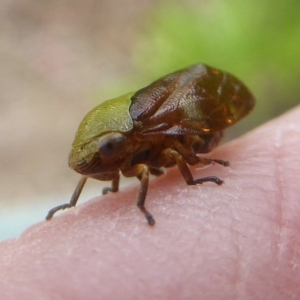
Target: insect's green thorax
<point>112,115</point>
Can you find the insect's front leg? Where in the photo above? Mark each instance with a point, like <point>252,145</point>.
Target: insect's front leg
<point>156,171</point>
<point>114,186</point>
<point>73,200</point>
<point>141,171</point>
<point>186,173</point>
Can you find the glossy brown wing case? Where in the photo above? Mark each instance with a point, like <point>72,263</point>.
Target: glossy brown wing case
<point>195,100</point>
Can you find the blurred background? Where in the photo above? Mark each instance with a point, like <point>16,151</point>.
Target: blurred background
<point>60,58</point>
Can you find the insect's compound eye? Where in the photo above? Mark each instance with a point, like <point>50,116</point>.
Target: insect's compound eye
<point>111,144</point>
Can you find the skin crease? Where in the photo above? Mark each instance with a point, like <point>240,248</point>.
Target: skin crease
<point>236,241</point>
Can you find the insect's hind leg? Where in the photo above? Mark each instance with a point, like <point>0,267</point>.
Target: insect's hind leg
<point>190,155</point>
<point>208,161</point>
<point>73,200</point>
<point>186,173</point>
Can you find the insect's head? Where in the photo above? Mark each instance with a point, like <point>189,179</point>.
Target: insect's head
<point>104,154</point>
<point>100,144</point>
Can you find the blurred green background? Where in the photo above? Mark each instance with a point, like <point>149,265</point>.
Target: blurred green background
<point>259,41</point>
<point>61,58</point>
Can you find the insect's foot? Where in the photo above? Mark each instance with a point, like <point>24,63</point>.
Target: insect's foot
<point>150,219</point>
<point>213,179</point>
<point>218,181</point>
<point>222,162</point>
<point>106,190</point>
<point>57,208</point>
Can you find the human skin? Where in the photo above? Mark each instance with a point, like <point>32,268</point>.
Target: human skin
<point>235,241</point>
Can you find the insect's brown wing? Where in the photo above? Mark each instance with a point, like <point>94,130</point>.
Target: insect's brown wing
<point>195,100</point>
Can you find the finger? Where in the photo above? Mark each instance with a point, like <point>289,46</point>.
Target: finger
<point>210,242</point>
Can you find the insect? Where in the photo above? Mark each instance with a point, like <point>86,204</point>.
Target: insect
<point>164,124</point>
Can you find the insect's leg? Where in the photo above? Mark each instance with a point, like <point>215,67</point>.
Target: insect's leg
<point>208,161</point>
<point>189,156</point>
<point>73,200</point>
<point>156,171</point>
<point>141,171</point>
<point>186,173</point>
<point>193,159</point>
<point>114,186</point>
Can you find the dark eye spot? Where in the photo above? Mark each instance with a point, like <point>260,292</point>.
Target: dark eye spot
<point>111,144</point>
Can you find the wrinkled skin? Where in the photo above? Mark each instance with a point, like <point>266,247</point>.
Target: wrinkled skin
<point>236,241</point>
